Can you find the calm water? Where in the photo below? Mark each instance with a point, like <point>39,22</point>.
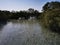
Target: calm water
<point>26,33</point>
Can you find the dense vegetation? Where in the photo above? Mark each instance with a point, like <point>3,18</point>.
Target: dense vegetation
<point>5,15</point>
<point>51,16</point>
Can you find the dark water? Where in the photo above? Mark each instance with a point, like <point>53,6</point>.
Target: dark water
<point>26,33</point>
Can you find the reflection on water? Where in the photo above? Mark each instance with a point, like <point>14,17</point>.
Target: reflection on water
<point>2,23</point>
<point>27,33</point>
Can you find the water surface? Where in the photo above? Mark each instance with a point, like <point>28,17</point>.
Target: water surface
<point>26,33</point>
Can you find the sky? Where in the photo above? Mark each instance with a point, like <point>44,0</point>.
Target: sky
<point>18,5</point>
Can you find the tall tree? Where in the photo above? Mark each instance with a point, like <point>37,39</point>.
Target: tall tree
<point>51,5</point>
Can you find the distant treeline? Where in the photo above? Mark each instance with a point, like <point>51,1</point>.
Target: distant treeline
<point>5,15</point>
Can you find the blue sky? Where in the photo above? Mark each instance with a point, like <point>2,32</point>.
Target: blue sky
<point>22,4</point>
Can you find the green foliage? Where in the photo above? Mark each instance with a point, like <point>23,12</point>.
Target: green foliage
<point>5,15</point>
<point>51,16</point>
<point>51,5</point>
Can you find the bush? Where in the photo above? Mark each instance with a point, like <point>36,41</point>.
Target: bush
<point>51,19</point>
